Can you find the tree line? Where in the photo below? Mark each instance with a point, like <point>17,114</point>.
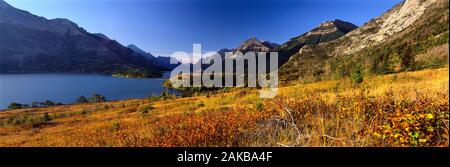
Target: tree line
<point>48,103</point>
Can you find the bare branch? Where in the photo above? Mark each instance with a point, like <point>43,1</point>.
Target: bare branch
<point>283,145</point>
<point>293,124</point>
<point>334,138</point>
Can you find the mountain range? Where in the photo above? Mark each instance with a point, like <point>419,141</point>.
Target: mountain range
<point>325,32</point>
<point>29,43</point>
<point>251,45</point>
<point>157,60</point>
<point>398,40</point>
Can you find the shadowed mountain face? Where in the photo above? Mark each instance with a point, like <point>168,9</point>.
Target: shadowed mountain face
<point>325,32</point>
<point>29,43</point>
<point>141,52</point>
<point>102,36</point>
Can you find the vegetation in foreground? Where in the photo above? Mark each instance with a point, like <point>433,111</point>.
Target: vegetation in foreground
<point>405,109</point>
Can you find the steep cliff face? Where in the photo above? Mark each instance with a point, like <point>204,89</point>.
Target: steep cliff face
<point>383,28</point>
<point>386,44</point>
<point>29,43</point>
<point>325,32</point>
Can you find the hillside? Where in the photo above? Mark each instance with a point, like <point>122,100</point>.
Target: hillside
<point>29,43</point>
<point>410,36</point>
<point>406,109</point>
<point>325,32</point>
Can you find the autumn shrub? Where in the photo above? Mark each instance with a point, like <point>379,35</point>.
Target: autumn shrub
<point>153,98</point>
<point>97,98</point>
<point>114,126</point>
<point>146,109</point>
<point>259,106</point>
<point>405,109</point>
<point>128,110</point>
<point>357,75</point>
<point>362,120</point>
<point>200,104</point>
<point>26,120</point>
<point>211,128</point>
<point>422,122</point>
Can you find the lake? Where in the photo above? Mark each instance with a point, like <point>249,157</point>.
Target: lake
<point>66,88</point>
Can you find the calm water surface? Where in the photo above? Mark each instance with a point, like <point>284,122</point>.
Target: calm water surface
<point>66,88</point>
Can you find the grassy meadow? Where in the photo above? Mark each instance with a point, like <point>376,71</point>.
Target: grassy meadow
<point>405,109</point>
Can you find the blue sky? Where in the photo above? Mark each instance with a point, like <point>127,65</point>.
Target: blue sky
<point>165,26</point>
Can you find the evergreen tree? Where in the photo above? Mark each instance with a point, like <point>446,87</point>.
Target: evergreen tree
<point>357,75</point>
<point>97,98</point>
<point>14,105</point>
<point>82,99</point>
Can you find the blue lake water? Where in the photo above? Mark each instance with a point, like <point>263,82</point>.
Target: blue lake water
<point>66,88</point>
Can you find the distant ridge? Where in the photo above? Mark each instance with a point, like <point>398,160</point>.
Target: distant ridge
<point>163,62</point>
<point>29,43</point>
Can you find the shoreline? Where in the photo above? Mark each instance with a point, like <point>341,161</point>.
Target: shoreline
<point>76,73</point>
<point>5,108</point>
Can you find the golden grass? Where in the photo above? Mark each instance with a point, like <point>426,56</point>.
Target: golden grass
<point>405,109</point>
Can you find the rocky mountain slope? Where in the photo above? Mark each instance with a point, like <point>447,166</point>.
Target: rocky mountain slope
<point>29,43</point>
<point>249,45</point>
<point>254,45</point>
<point>325,32</point>
<point>393,42</point>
